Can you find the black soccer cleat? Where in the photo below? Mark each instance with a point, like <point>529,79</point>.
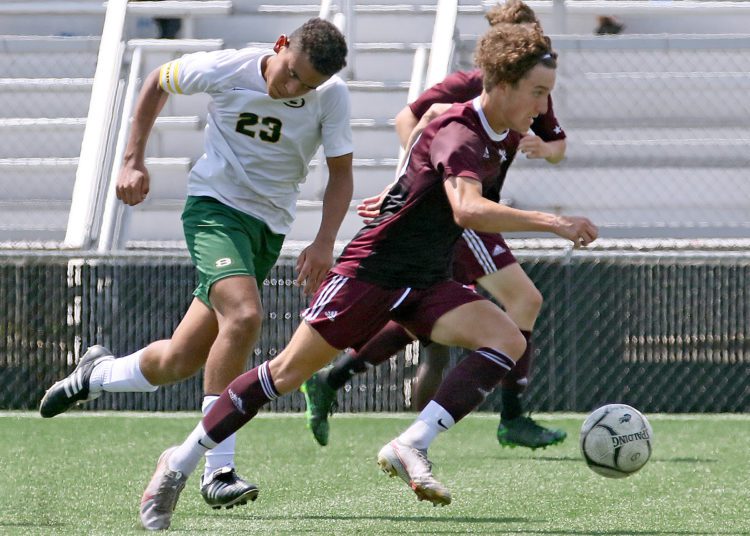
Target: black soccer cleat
<point>74,388</point>
<point>225,488</point>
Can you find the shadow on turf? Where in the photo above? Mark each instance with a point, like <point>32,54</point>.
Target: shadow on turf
<point>576,459</point>
<point>474,520</point>
<point>416,519</point>
<point>40,523</point>
<point>615,532</point>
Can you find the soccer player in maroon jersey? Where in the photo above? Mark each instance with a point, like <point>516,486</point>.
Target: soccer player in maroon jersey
<point>479,258</point>
<point>398,268</point>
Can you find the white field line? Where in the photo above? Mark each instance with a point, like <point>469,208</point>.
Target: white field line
<point>397,416</point>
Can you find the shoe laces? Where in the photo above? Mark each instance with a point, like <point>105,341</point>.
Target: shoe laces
<point>529,422</point>
<point>422,455</point>
<point>228,477</point>
<point>166,493</point>
<point>530,426</point>
<point>223,476</point>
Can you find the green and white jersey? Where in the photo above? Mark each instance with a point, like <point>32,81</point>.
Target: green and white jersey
<point>257,149</point>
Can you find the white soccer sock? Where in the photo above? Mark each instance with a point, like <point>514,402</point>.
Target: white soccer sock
<point>185,458</point>
<point>430,422</point>
<point>223,454</point>
<point>121,375</point>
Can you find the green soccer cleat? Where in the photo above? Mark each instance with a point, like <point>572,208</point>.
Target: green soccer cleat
<point>525,432</point>
<point>320,399</point>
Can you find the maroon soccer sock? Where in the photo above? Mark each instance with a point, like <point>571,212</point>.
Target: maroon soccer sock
<point>516,381</point>
<point>384,344</point>
<point>343,370</point>
<point>469,383</point>
<point>518,377</point>
<point>239,403</point>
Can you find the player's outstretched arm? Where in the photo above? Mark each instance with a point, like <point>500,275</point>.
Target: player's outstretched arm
<point>133,179</point>
<point>317,258</point>
<point>472,211</point>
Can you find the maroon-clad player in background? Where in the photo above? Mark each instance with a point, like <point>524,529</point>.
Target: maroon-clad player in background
<point>479,258</point>
<point>398,268</point>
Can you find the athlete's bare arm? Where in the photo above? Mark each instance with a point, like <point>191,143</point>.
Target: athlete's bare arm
<point>405,123</point>
<point>317,258</point>
<point>472,211</point>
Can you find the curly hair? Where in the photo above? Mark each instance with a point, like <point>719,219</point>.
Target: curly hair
<point>511,12</point>
<point>323,44</point>
<point>507,52</point>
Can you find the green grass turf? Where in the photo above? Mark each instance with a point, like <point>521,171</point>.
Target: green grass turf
<point>84,474</point>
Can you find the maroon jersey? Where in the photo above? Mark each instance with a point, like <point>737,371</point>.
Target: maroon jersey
<point>462,86</point>
<point>410,244</point>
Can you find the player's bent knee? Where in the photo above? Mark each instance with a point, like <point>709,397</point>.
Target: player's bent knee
<point>249,318</point>
<point>527,303</point>
<point>512,344</point>
<point>534,300</point>
<point>243,324</point>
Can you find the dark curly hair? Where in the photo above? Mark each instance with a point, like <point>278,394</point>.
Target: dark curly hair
<point>507,52</point>
<point>323,44</point>
<point>511,12</point>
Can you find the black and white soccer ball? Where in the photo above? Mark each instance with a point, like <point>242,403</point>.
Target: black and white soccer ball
<point>616,440</point>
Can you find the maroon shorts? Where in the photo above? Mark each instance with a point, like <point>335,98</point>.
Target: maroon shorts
<point>478,254</point>
<point>348,312</point>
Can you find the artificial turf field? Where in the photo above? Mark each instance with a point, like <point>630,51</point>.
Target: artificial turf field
<point>83,473</point>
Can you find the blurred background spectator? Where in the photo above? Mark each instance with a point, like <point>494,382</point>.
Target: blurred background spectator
<point>607,25</point>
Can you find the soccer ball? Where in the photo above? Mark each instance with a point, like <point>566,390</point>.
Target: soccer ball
<point>616,440</point>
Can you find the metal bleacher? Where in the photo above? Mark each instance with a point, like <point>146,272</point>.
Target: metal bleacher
<point>46,84</point>
<point>387,34</point>
<point>657,127</point>
<point>45,90</point>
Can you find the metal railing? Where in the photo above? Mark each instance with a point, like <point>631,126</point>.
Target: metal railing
<point>96,135</point>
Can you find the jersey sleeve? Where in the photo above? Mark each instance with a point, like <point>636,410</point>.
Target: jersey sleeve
<point>456,151</point>
<point>460,86</point>
<point>203,72</point>
<point>336,119</point>
<point>546,126</point>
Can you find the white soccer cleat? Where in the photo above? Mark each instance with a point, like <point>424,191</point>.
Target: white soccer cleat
<point>412,465</point>
<point>160,497</point>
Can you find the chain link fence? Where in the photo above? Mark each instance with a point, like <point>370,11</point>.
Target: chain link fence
<point>658,136</point>
<point>666,332</point>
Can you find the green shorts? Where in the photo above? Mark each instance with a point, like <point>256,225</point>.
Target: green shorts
<point>224,242</point>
